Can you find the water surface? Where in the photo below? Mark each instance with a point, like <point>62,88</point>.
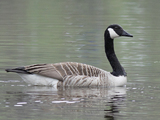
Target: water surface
<point>58,31</point>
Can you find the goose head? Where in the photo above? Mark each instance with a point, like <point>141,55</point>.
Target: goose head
<point>117,31</point>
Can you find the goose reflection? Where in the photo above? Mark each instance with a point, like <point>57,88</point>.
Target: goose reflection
<point>71,92</point>
<point>112,98</point>
<point>75,101</point>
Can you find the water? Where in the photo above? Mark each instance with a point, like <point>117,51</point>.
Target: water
<point>57,31</point>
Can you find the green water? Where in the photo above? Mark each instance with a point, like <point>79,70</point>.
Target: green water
<point>36,31</point>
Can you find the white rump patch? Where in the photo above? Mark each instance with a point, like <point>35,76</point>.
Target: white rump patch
<point>35,79</point>
<point>112,33</point>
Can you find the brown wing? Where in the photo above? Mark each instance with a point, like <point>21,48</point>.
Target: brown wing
<point>61,70</point>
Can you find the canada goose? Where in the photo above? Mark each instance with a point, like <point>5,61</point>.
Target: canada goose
<point>79,74</point>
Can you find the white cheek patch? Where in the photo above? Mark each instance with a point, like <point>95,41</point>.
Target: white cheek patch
<point>112,33</point>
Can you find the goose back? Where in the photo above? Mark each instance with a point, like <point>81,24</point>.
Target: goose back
<point>69,73</point>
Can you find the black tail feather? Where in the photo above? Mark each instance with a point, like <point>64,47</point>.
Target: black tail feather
<point>18,70</point>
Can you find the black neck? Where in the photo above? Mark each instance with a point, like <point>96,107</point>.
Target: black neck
<point>109,49</point>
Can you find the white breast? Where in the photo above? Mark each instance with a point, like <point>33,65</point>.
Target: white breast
<point>117,81</point>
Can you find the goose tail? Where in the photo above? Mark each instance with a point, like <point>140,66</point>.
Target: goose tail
<point>18,70</point>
